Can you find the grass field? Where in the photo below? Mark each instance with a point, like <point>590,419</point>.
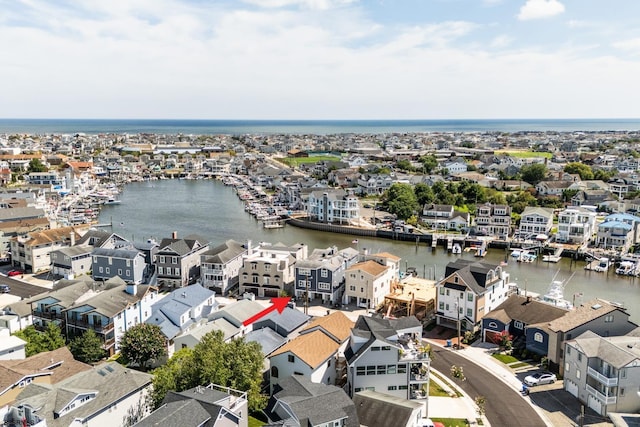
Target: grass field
<point>295,161</point>
<point>504,358</point>
<point>436,390</point>
<point>525,154</point>
<point>452,422</point>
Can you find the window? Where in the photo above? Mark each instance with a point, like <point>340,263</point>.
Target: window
<point>302,283</point>
<point>402,368</point>
<point>566,367</point>
<point>100,269</point>
<point>537,337</point>
<point>392,387</point>
<point>360,370</point>
<point>267,267</point>
<point>119,272</point>
<point>174,260</point>
<point>493,325</point>
<point>391,369</point>
<point>469,312</point>
<point>371,370</point>
<point>578,373</point>
<point>361,289</point>
<point>402,387</point>
<point>579,357</point>
<point>291,358</point>
<point>324,286</point>
<point>160,270</point>
<point>352,288</point>
<point>441,290</point>
<point>608,318</point>
<point>375,348</point>
<point>446,307</point>
<point>381,370</point>
<point>448,293</point>
<point>162,259</point>
<point>470,297</point>
<point>441,305</point>
<point>568,350</point>
<point>274,372</point>
<point>518,324</point>
<point>107,270</point>
<point>324,273</point>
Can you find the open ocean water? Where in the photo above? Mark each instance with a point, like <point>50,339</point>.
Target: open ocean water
<point>308,127</point>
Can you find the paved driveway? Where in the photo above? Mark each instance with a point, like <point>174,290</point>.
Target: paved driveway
<point>20,288</point>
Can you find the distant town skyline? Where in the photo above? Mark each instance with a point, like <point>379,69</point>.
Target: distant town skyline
<point>320,59</point>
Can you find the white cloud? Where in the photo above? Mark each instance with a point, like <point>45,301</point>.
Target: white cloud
<point>537,9</point>
<point>501,41</point>
<point>629,45</point>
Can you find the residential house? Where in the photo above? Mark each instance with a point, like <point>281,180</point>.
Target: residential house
<point>180,310</point>
<point>299,402</point>
<point>333,206</point>
<point>576,225</point>
<point>455,167</point>
<point>552,188</point>
<point>220,266</point>
<point>373,184</point>
<point>436,216</point>
<point>71,262</point>
<point>210,406</point>
<point>321,275</point>
<point>48,367</point>
<point>270,269</point>
<point>104,395</point>
<point>178,260</point>
<point>493,220</point>
<point>379,409</point>
<point>599,316</point>
<point>618,231</point>
<point>513,317</point>
<point>535,221</point>
<point>16,316</point>
<point>126,262</point>
<point>604,372</point>
<point>32,251</point>
<point>468,292</point>
<point>366,284</point>
<point>386,355</point>
<point>11,346</point>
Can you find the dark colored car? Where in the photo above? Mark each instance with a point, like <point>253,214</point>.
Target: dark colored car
<point>16,272</point>
<point>5,289</point>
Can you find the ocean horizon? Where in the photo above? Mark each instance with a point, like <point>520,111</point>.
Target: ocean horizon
<point>308,127</point>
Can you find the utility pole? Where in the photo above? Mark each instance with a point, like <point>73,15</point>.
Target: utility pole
<point>458,313</point>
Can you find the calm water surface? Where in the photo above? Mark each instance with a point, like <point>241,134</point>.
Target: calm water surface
<point>209,208</point>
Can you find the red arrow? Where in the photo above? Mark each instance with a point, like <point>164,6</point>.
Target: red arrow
<point>277,304</point>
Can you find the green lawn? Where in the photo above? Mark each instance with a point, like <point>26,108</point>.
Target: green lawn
<point>525,154</point>
<point>505,358</point>
<point>295,161</point>
<point>436,390</point>
<point>519,365</point>
<point>452,422</point>
<point>254,422</point>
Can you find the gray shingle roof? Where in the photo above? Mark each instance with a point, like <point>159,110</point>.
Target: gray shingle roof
<point>378,409</point>
<point>224,253</point>
<point>268,340</point>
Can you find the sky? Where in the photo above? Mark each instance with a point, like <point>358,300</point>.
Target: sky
<point>319,59</point>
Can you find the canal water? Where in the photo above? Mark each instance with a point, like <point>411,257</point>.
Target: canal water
<point>212,210</point>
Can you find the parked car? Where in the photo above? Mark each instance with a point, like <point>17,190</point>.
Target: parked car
<point>5,289</point>
<point>16,272</point>
<point>540,378</point>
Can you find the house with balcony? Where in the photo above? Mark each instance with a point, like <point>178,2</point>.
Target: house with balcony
<point>125,262</point>
<point>178,260</point>
<point>387,356</point>
<point>603,373</point>
<point>182,309</point>
<point>367,283</point>
<point>468,292</point>
<point>332,206</point>
<point>618,231</point>
<point>598,316</point>
<point>321,275</point>
<point>493,220</point>
<point>535,221</point>
<point>32,251</point>
<point>436,216</point>
<point>220,266</point>
<point>211,406</point>
<point>71,262</point>
<point>576,225</point>
<point>373,184</point>
<point>270,269</point>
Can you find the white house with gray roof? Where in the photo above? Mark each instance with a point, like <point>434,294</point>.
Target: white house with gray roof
<point>332,206</point>
<point>604,372</point>
<point>221,265</point>
<point>534,221</point>
<point>180,310</point>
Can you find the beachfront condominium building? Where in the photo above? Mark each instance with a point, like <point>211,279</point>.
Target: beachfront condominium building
<point>333,206</point>
<point>604,372</point>
<point>576,225</point>
<point>178,260</point>
<point>270,269</point>
<point>220,266</point>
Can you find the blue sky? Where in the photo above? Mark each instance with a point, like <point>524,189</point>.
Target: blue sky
<point>320,59</point>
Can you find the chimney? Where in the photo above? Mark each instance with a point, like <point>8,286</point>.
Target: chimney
<point>249,247</point>
<point>174,235</point>
<point>132,288</point>
<point>72,237</point>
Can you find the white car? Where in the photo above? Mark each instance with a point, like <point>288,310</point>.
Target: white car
<point>540,378</point>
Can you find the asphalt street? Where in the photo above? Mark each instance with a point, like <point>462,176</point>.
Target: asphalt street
<point>504,406</point>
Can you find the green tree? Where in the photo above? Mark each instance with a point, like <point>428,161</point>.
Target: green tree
<point>35,165</point>
<point>405,165</point>
<point>143,343</point>
<point>87,347</point>
<point>581,169</point>
<point>533,173</point>
<point>424,194</point>
<point>429,163</point>
<point>50,339</point>
<point>400,200</point>
<point>237,364</point>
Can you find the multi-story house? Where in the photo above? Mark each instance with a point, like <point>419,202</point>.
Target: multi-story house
<point>32,252</point>
<point>51,178</point>
<point>321,275</point>
<point>535,221</point>
<point>268,270</point>
<point>181,309</point>
<point>126,263</point>
<point>436,216</point>
<point>369,185</point>
<point>386,355</point>
<point>71,262</point>
<point>366,283</point>
<point>604,372</point>
<point>576,225</point>
<point>109,310</point>
<point>493,220</point>
<point>178,260</point>
<point>332,206</point>
<point>598,316</point>
<point>468,292</point>
<point>221,265</point>
<point>618,231</point>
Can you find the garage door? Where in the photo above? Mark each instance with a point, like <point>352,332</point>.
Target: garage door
<point>594,404</point>
<point>571,387</point>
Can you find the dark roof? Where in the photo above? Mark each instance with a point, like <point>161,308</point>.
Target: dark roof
<point>177,414</point>
<point>312,403</point>
<point>526,310</point>
<point>225,252</point>
<point>382,410</point>
<point>182,246</point>
<point>283,323</point>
